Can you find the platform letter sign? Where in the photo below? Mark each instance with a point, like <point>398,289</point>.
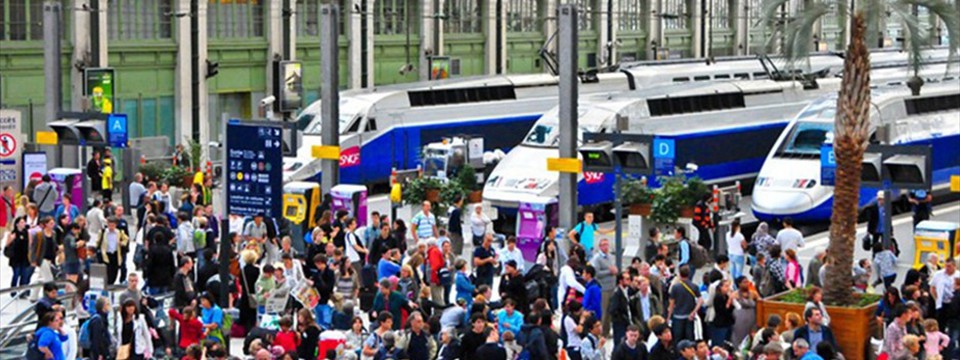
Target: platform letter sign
<point>828,165</point>
<point>117,130</point>
<point>664,153</point>
<point>253,169</point>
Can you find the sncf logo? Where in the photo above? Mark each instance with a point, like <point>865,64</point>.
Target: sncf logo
<point>350,157</point>
<point>592,177</point>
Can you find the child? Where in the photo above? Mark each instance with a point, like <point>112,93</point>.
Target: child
<point>193,352</point>
<point>191,329</point>
<point>861,275</point>
<point>286,338</point>
<point>936,340</point>
<point>510,345</point>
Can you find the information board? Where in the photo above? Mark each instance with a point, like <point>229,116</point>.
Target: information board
<point>254,169</point>
<point>117,130</point>
<point>828,165</point>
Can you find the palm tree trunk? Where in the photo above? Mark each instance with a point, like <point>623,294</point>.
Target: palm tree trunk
<point>850,141</point>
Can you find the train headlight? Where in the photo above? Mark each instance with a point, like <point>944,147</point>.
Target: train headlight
<point>804,183</point>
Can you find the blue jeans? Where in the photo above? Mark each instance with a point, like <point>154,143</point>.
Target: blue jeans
<point>682,329</point>
<point>619,331</point>
<point>719,335</point>
<point>324,314</point>
<point>953,351</point>
<point>22,275</point>
<point>736,265</point>
<point>157,290</point>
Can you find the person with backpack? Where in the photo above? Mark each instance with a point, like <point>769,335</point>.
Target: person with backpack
<point>583,234</point>
<point>691,254</point>
<point>570,329</point>
<point>592,341</point>
<point>94,335</point>
<point>48,339</point>
<point>685,303</point>
<point>774,278</point>
<point>374,342</point>
<point>532,339</point>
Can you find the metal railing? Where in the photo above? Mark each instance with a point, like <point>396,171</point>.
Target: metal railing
<point>27,317</point>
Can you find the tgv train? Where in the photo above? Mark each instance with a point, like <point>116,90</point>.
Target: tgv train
<point>385,128</point>
<point>788,183</point>
<point>725,128</point>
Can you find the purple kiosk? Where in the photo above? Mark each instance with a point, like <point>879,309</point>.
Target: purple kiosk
<point>353,199</point>
<point>533,217</point>
<point>68,181</point>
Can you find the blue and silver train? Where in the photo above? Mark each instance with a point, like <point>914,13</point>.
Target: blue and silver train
<point>788,183</point>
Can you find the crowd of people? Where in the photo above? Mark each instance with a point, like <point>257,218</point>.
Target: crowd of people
<point>420,290</point>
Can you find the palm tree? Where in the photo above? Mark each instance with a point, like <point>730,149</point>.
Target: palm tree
<point>852,121</point>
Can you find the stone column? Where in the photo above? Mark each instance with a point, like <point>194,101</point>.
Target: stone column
<point>274,33</point>
<point>183,102</point>
<point>654,29</point>
<point>354,44</point>
<point>428,47</point>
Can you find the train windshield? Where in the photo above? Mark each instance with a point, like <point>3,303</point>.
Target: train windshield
<point>806,137</point>
<point>350,111</point>
<point>546,132</point>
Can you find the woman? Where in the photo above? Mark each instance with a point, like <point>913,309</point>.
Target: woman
<point>791,323</point>
<point>890,300</point>
<point>815,300</point>
<point>449,259</point>
<point>762,240</point>
<point>794,276</point>
<point>23,202</point>
<point>551,260</point>
<point>409,286</point>
<point>249,274</point>
<point>355,336</point>
<point>400,235</point>
<point>309,335</point>
<point>50,336</point>
<point>211,316</point>
<point>18,241</point>
<point>736,245</point>
<point>292,270</point>
<point>8,207</point>
<point>746,313</point>
<point>347,284</point>
<point>135,340</point>
<point>723,304</point>
<point>464,286</point>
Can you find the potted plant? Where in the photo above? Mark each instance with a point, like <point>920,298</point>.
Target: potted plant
<point>467,177</point>
<point>421,188</point>
<point>668,199</point>
<point>694,189</point>
<point>452,190</point>
<point>177,176</point>
<point>638,196</point>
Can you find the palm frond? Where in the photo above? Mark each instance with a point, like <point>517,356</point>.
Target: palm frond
<point>770,18</point>
<point>874,14</point>
<point>915,36</point>
<point>798,45</point>
<point>951,20</point>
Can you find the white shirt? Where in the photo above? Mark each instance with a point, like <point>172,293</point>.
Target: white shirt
<point>515,255</point>
<point>943,283</point>
<point>351,241</point>
<point>567,280</point>
<point>570,326</point>
<point>95,221</point>
<point>733,244</point>
<point>478,223</point>
<point>790,239</point>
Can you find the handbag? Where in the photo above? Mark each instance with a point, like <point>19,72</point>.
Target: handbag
<point>446,276</point>
<point>123,352</point>
<point>251,301</point>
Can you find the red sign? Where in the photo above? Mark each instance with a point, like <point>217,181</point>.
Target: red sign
<point>7,144</point>
<point>592,177</point>
<point>350,157</point>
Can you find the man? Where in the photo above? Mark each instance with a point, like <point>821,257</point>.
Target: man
<point>136,193</point>
<point>508,318</point>
<point>583,233</point>
<point>813,269</point>
<point>512,287</point>
<point>423,224</point>
<point>703,221</point>
<point>511,252</point>
<point>388,265</point>
<point>619,308</point>
<point>355,250</point>
<point>48,302</point>
<point>531,337</point>
<point>180,157</point>
<point>483,259</point>
<point>371,232</point>
<point>773,351</point>
<point>593,293</point>
<point>323,279</point>
<point>183,290</point>
<point>133,290</point>
<point>685,302</point>
<point>455,225</point>
<point>416,341</point>
<point>112,244</point>
<point>375,341</point>
<point>663,349</point>
<point>491,349</point>
<point>607,277</point>
<point>653,244</point>
<point>124,228</point>
<point>478,225</point>
<point>99,329</point>
<point>630,347</point>
<point>801,351</point>
<point>382,243</point>
<point>454,317</point>
<point>941,284</point>
<point>893,336</point>
<point>687,349</point>
<point>921,201</point>
<point>473,339</point>
<point>644,304</point>
<point>256,231</point>
<point>789,237</point>
<point>45,196</point>
<point>94,172</point>
<point>391,301</point>
<point>684,250</point>
<point>814,331</point>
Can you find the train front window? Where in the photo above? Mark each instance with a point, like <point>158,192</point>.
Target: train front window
<point>350,112</point>
<point>805,138</point>
<point>546,132</point>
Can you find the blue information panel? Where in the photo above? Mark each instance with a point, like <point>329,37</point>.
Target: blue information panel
<point>254,171</point>
<point>664,153</point>
<point>828,165</point>
<point>117,130</point>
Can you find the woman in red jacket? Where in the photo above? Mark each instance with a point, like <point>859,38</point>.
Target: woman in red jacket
<point>191,329</point>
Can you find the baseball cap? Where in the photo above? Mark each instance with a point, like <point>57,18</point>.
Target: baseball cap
<point>686,344</point>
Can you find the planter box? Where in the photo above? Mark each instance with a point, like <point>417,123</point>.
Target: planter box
<point>641,209</point>
<point>433,195</point>
<point>851,326</point>
<point>686,212</point>
<point>475,196</point>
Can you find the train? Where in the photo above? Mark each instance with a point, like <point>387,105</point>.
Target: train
<point>725,129</point>
<point>386,128</point>
<point>788,184</point>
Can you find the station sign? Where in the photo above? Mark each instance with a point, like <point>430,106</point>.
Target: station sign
<point>828,165</point>
<point>117,130</point>
<point>254,171</point>
<point>664,156</point>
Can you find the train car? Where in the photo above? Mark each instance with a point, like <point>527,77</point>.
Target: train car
<point>788,183</point>
<point>725,128</point>
<point>386,128</point>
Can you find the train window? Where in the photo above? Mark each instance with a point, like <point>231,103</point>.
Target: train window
<point>722,76</point>
<point>371,124</point>
<point>681,79</point>
<point>354,126</point>
<point>693,104</point>
<point>742,76</point>
<point>701,78</point>
<point>462,95</point>
<point>760,75</point>
<point>931,104</point>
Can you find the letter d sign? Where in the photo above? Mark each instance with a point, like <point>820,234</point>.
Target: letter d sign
<point>664,148</point>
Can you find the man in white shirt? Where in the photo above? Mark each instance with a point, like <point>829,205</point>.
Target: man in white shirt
<point>567,280</point>
<point>511,252</point>
<point>136,192</point>
<point>478,224</point>
<point>941,284</point>
<point>789,237</point>
<point>96,221</point>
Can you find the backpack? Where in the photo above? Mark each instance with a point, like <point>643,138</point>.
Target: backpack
<point>771,284</point>
<point>84,336</point>
<point>33,349</point>
<point>524,340</point>
<point>698,255</point>
<point>394,354</point>
<point>199,239</point>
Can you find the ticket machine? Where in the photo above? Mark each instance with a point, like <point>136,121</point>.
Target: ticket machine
<point>935,237</point>
<point>353,199</point>
<point>533,217</point>
<point>300,202</point>
<point>68,181</point>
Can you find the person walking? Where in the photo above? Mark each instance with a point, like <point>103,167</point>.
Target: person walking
<point>478,225</point>
<point>99,329</point>
<point>607,271</point>
<point>736,244</point>
<point>112,242</point>
<point>45,196</point>
<point>685,303</point>
<point>619,308</point>
<point>135,339</point>
<point>95,172</point>
<point>922,202</point>
<point>16,250</point>
<point>50,336</point>
<point>136,193</point>
<point>106,187</point>
<point>455,225</point>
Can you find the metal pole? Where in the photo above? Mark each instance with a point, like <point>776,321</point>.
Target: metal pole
<point>95,33</point>
<point>225,241</point>
<point>618,218</point>
<point>51,59</point>
<point>329,95</point>
<point>567,62</point>
<point>195,73</point>
<point>887,217</point>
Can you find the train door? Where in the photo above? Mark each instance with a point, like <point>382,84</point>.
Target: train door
<point>376,150</point>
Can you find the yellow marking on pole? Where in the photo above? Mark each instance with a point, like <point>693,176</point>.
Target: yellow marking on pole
<point>46,137</point>
<point>955,183</point>
<point>328,152</point>
<point>567,165</point>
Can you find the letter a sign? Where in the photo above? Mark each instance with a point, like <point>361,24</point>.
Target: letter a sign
<point>117,130</point>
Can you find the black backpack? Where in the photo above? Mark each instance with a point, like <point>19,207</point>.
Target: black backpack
<point>33,350</point>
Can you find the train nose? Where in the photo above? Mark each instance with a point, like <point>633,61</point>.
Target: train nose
<point>781,202</point>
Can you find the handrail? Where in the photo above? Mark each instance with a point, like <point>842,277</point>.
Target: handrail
<point>19,289</point>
